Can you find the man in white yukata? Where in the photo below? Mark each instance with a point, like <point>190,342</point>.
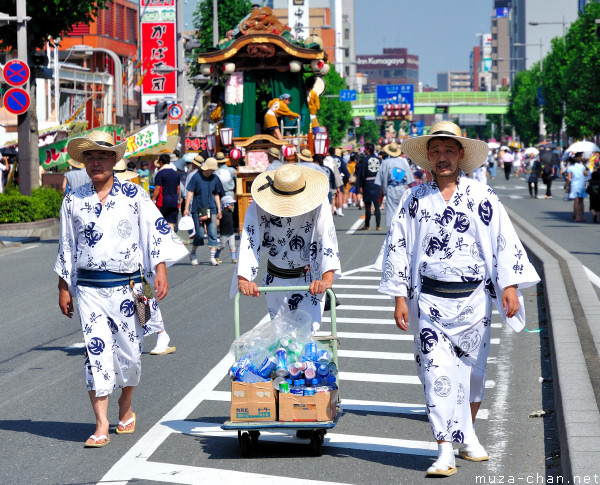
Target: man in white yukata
<point>394,176</point>
<point>450,253</point>
<point>290,220</point>
<point>110,234</point>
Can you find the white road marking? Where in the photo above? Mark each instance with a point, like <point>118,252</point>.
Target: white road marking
<point>355,226</point>
<point>367,354</point>
<point>390,378</point>
<point>594,278</point>
<point>365,321</point>
<point>26,248</point>
<point>78,345</point>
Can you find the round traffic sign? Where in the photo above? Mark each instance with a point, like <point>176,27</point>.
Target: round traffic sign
<point>175,111</point>
<point>16,72</point>
<point>16,100</point>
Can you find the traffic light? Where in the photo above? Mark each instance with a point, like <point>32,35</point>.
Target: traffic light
<point>161,110</point>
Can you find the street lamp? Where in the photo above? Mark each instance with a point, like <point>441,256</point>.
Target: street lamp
<point>563,23</point>
<point>542,126</point>
<point>118,74</point>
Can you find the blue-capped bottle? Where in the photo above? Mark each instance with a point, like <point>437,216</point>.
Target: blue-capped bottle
<point>331,383</point>
<point>298,387</point>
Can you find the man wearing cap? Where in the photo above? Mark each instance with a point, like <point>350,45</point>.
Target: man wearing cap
<point>289,222</point>
<point>278,107</point>
<point>166,190</point>
<point>365,182</point>
<point>110,235</point>
<point>226,174</point>
<point>203,202</point>
<point>452,251</point>
<point>393,178</point>
<point>75,177</point>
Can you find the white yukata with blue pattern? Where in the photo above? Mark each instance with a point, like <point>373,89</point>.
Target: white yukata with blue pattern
<point>308,240</point>
<point>469,239</point>
<point>127,233</point>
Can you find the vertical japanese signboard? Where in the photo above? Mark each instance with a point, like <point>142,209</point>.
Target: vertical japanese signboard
<point>298,18</point>
<point>158,36</point>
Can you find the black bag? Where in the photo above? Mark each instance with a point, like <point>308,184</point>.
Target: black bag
<point>328,302</point>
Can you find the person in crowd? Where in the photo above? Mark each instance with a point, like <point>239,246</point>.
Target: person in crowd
<point>370,191</point>
<point>313,101</point>
<point>166,190</point>
<point>204,203</point>
<point>227,232</point>
<point>102,256</point>
<point>575,186</point>
<point>593,190</point>
<point>330,162</point>
<point>393,177</point>
<point>278,108</point>
<point>444,271</point>
<point>351,185</point>
<point>290,221</point>
<point>318,159</point>
<point>305,159</point>
<point>144,175</point>
<point>227,175</point>
<point>492,163</point>
<point>548,161</point>
<point>535,170</point>
<point>507,161</point>
<point>345,174</point>
<point>274,157</point>
<point>4,168</point>
<point>75,177</point>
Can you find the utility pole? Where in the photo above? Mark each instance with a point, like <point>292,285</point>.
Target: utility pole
<point>28,171</point>
<point>215,23</point>
<point>181,73</point>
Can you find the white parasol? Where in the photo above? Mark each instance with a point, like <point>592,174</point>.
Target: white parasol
<point>533,150</point>
<point>493,144</point>
<point>587,147</point>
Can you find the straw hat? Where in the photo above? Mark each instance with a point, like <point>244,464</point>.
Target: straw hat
<point>96,140</point>
<point>338,152</point>
<point>209,164</point>
<point>121,171</point>
<point>290,190</point>
<point>220,157</point>
<point>75,164</point>
<point>198,161</point>
<point>274,152</point>
<point>475,150</point>
<point>393,150</point>
<point>305,155</point>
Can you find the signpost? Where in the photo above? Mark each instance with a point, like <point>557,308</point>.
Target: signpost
<point>348,95</point>
<point>16,100</point>
<point>16,72</point>
<point>176,113</point>
<point>395,101</point>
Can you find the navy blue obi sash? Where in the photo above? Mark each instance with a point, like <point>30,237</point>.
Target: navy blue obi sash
<point>106,279</point>
<point>448,289</point>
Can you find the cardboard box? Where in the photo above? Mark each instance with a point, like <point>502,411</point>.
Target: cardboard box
<point>320,407</point>
<point>253,401</point>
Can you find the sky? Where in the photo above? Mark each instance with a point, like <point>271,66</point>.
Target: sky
<point>441,32</point>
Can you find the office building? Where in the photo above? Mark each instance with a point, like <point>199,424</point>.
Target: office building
<point>393,66</point>
<point>454,81</point>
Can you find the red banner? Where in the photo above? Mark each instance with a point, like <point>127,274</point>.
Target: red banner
<point>159,49</point>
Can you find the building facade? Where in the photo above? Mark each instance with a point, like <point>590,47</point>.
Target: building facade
<point>393,66</point>
<point>454,81</point>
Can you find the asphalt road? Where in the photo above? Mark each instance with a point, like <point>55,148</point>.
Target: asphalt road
<point>382,437</point>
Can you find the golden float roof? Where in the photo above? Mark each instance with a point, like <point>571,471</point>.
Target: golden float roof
<point>261,51</point>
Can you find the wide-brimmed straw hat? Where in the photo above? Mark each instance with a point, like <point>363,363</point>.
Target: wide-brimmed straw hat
<point>75,164</point>
<point>290,190</point>
<point>274,152</point>
<point>122,172</point>
<point>198,160</point>
<point>476,151</point>
<point>210,164</point>
<point>305,155</point>
<point>220,157</point>
<point>96,140</point>
<point>393,150</point>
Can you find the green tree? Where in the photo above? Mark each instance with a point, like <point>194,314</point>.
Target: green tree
<point>50,19</point>
<point>523,111</point>
<point>230,13</point>
<point>581,75</point>
<point>554,85</point>
<point>369,129</point>
<point>334,114</point>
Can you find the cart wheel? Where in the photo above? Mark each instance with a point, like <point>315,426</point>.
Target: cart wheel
<point>239,438</point>
<point>246,444</point>
<point>315,443</point>
<point>254,437</point>
<point>322,434</point>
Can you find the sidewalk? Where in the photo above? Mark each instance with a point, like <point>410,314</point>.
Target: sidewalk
<point>573,311</point>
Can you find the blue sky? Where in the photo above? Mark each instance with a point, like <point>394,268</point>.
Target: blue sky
<point>440,32</point>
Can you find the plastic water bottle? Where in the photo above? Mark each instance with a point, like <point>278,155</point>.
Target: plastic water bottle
<point>323,357</point>
<point>249,376</point>
<point>294,371</point>
<point>333,370</point>
<point>331,383</point>
<point>310,351</point>
<point>298,387</point>
<point>309,391</point>
<point>323,370</point>
<point>238,368</point>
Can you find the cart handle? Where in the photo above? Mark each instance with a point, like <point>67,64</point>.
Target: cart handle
<point>329,291</point>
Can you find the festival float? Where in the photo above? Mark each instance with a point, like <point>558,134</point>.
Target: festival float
<point>249,71</point>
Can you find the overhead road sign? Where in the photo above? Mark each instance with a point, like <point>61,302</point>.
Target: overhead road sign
<point>16,72</point>
<point>16,101</point>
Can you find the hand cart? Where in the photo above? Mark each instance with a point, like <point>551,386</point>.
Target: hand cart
<point>249,431</point>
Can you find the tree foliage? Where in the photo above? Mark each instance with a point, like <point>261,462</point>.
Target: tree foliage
<point>230,13</point>
<point>554,85</point>
<point>523,111</point>
<point>334,114</point>
<point>368,130</point>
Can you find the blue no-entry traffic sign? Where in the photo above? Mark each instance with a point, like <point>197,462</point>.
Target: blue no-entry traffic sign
<point>16,72</point>
<point>175,111</point>
<point>16,100</point>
